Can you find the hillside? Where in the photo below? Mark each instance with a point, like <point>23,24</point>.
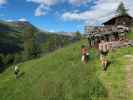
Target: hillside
<point>12,35</point>
<point>18,39</point>
<point>61,76</point>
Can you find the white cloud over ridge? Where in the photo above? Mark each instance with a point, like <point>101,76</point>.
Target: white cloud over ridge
<point>9,20</point>
<point>22,19</point>
<point>100,12</point>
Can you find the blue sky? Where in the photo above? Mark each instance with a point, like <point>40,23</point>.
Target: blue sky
<point>61,15</point>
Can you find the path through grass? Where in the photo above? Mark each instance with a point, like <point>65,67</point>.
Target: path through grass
<point>114,78</point>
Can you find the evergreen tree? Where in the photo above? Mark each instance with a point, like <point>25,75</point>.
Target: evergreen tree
<point>121,10</point>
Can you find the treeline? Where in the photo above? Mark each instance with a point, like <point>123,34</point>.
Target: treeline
<point>56,41</point>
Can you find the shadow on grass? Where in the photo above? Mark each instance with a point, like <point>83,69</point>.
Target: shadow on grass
<point>21,74</point>
<point>107,66</point>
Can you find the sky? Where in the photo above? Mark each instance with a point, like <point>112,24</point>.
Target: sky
<point>61,15</point>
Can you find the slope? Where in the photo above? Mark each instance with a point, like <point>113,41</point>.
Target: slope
<point>17,36</point>
<point>58,76</point>
<point>62,76</point>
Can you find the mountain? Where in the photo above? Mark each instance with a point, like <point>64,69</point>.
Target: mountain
<point>21,24</point>
<point>12,33</point>
<point>17,25</point>
<point>10,39</point>
<point>17,36</point>
<point>11,36</point>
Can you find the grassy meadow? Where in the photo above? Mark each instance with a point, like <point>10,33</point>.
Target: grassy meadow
<point>62,76</point>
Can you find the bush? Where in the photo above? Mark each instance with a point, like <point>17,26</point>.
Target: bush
<point>5,60</point>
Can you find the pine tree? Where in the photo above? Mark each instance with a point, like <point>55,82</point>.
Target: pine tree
<point>121,10</point>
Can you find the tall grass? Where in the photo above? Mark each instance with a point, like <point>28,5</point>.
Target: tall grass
<point>58,76</point>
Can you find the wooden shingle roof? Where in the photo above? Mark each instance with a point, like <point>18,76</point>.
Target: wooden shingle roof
<point>117,17</point>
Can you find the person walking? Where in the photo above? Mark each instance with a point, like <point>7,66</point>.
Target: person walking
<point>16,71</point>
<point>85,54</point>
<point>104,49</point>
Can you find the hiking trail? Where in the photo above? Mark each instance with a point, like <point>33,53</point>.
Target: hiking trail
<point>129,73</point>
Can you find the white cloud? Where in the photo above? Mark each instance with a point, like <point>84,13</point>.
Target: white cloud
<point>78,2</point>
<point>9,20</point>
<point>71,16</point>
<point>22,19</point>
<point>52,30</point>
<point>54,2</point>
<point>44,6</point>
<point>41,10</point>
<point>100,12</point>
<point>3,2</point>
<point>45,2</point>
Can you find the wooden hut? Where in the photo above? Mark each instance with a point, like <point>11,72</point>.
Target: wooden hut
<point>113,29</point>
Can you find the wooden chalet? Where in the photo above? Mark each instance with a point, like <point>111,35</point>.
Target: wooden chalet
<point>112,30</point>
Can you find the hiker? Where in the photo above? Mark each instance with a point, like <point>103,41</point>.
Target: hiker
<point>16,71</point>
<point>85,54</point>
<point>104,49</point>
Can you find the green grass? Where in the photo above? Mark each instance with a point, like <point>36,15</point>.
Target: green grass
<point>62,76</point>
<point>115,77</point>
<point>58,76</point>
<point>130,35</point>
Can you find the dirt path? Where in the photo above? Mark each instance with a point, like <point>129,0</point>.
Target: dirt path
<point>129,73</point>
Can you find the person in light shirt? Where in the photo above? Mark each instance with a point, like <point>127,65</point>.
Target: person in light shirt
<point>16,71</point>
<point>104,49</point>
